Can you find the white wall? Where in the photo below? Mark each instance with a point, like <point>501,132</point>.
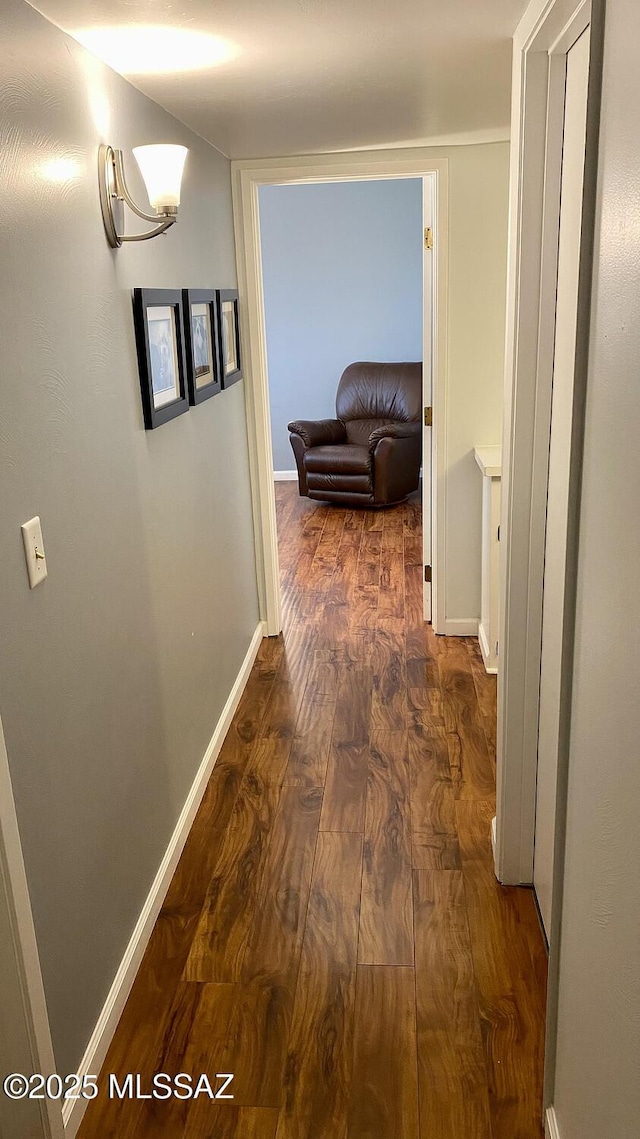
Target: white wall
<point>114,671</point>
<point>478,186</point>
<point>597,1082</point>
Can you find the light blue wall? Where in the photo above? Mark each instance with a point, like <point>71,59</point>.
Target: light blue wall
<point>342,267</point>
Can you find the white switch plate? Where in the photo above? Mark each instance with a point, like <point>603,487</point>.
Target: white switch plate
<point>34,551</point>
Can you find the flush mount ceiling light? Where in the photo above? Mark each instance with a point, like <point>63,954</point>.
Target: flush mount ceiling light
<point>161,167</point>
<point>156,49</point>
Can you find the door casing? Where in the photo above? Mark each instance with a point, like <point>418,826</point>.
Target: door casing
<point>247,176</point>
<point>536,156</point>
<point>574,64</point>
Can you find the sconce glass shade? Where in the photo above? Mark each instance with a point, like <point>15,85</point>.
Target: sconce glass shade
<point>162,166</point>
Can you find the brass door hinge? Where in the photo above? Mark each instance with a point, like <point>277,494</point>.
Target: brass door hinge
<point>428,238</point>
<point>428,417</point>
<point>427,573</point>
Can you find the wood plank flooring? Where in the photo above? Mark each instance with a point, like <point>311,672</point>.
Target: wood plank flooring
<point>334,934</point>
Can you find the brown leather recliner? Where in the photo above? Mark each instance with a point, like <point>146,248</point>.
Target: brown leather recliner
<point>370,454</point>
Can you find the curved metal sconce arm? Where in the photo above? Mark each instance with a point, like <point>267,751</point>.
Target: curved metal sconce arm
<point>150,232</point>
<point>114,194</point>
<point>122,190</point>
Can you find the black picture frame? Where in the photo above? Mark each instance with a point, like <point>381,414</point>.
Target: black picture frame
<point>230,348</point>
<point>208,320</point>
<point>159,327</point>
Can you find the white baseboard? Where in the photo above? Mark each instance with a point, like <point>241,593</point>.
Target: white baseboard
<point>551,1129</point>
<point>104,1030</point>
<point>484,649</point>
<point>460,627</point>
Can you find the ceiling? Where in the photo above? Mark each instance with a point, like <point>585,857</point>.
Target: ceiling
<point>280,77</point>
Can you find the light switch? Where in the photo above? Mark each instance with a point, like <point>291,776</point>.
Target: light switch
<point>34,551</point>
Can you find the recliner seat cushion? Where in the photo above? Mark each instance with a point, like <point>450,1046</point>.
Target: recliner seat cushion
<point>359,430</point>
<point>341,458</point>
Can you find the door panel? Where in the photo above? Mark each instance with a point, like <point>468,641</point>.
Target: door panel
<point>428,213</point>
<point>573,152</point>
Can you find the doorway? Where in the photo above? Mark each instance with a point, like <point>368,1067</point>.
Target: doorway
<point>344,268</point>
<point>248,177</point>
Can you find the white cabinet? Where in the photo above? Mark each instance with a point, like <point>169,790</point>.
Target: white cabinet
<point>489,459</point>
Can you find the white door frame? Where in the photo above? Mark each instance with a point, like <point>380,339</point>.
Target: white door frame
<point>573,84</point>
<point>247,176</point>
<point>429,334</point>
<point>22,1001</point>
<point>536,153</point>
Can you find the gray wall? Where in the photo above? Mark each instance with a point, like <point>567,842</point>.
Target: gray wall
<point>114,672</point>
<point>597,1087</point>
<point>342,267</point>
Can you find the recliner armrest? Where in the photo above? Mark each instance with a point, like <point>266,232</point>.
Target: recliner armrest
<point>319,432</point>
<point>394,431</point>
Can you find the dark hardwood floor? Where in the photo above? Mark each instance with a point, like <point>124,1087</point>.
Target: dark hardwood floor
<point>334,934</point>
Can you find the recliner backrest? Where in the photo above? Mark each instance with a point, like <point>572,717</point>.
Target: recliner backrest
<point>388,393</point>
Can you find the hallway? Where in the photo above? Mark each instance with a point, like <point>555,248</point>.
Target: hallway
<point>334,934</point>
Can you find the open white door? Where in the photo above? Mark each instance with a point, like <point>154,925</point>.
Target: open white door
<point>428,220</point>
<point>576,61</point>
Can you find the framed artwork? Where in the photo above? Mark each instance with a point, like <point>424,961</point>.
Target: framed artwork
<point>159,329</point>
<point>201,330</point>
<point>230,353</point>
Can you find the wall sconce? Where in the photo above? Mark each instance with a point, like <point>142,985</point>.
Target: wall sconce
<point>161,167</point>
